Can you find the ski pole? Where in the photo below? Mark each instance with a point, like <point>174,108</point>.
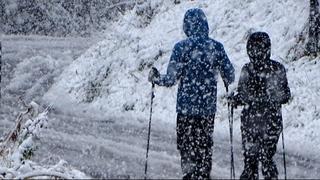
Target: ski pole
<point>149,131</point>
<point>230,117</point>
<point>284,155</point>
<point>231,141</point>
<point>0,68</point>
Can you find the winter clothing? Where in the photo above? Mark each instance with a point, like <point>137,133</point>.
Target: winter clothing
<point>194,141</point>
<point>262,88</point>
<point>195,63</point>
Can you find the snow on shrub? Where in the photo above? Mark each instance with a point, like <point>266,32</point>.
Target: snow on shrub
<point>17,148</point>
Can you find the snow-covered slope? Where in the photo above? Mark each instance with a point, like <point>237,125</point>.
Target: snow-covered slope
<point>111,76</point>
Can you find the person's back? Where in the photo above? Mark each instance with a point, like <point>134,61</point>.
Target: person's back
<point>195,63</point>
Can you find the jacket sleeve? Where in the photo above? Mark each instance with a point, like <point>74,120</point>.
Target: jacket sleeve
<point>174,69</point>
<point>225,67</point>
<point>243,96</point>
<point>285,93</point>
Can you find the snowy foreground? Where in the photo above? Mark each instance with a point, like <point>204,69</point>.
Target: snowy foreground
<point>26,76</point>
<point>17,148</point>
<point>100,95</point>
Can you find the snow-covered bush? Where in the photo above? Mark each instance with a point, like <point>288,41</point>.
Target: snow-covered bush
<point>34,76</point>
<point>18,147</point>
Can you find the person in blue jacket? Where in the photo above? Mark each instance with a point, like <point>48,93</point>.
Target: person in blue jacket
<point>194,64</point>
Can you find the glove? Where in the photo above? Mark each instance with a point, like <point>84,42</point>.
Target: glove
<point>235,100</point>
<point>153,75</point>
<point>230,97</point>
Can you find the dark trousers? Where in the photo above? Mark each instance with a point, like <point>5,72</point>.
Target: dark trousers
<point>260,134</point>
<point>194,142</point>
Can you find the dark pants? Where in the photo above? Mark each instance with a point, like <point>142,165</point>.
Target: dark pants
<point>194,141</point>
<point>260,132</point>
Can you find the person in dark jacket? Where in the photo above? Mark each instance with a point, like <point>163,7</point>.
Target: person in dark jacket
<point>262,89</point>
<point>194,65</point>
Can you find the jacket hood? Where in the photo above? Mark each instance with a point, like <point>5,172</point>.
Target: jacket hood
<point>195,23</point>
<point>259,48</point>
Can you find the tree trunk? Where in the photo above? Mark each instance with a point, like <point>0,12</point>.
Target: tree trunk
<point>313,43</point>
<point>0,71</point>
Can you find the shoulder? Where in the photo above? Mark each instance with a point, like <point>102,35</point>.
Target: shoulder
<point>277,66</point>
<point>245,71</point>
<point>216,44</point>
<point>183,44</point>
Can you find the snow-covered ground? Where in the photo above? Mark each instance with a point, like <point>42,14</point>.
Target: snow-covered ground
<point>113,147</point>
<point>101,99</point>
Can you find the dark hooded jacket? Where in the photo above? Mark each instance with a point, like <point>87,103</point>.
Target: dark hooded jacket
<point>195,63</point>
<point>263,86</point>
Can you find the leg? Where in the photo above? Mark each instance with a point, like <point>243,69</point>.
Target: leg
<point>204,142</point>
<point>250,145</point>
<point>250,171</point>
<point>194,141</point>
<point>269,168</point>
<point>188,165</point>
<point>251,162</point>
<point>269,144</point>
<point>206,163</point>
<point>184,145</point>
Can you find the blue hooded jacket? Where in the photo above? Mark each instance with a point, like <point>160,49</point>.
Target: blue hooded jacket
<point>195,63</point>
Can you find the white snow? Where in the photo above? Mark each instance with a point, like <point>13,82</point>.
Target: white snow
<point>19,144</point>
<point>109,81</point>
<point>112,75</point>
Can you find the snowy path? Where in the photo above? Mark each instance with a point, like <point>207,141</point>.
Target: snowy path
<point>115,148</point>
<point>111,149</point>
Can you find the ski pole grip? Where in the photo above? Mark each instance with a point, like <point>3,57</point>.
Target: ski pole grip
<point>226,86</point>
<point>152,90</point>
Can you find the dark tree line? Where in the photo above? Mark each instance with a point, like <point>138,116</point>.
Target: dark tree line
<point>59,17</point>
